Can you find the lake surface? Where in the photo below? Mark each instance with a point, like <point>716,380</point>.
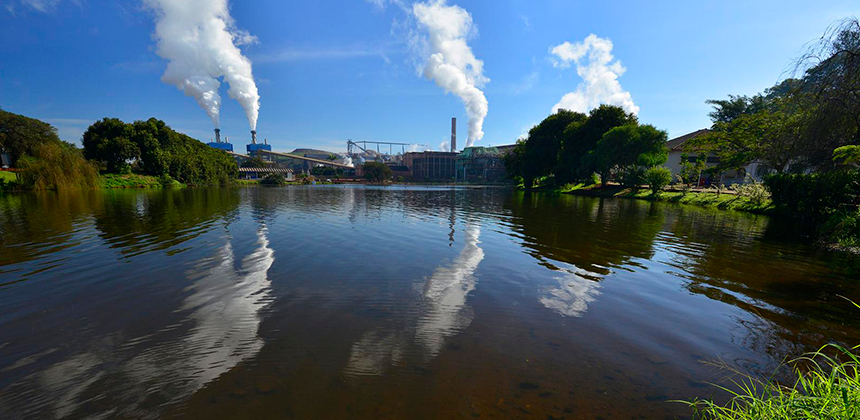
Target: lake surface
<point>353,302</point>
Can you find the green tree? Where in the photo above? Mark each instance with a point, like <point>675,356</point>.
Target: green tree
<point>582,136</point>
<point>847,155</point>
<point>626,147</point>
<point>543,144</point>
<point>776,136</point>
<point>692,167</point>
<point>255,162</point>
<point>376,172</point>
<point>110,141</point>
<point>514,161</point>
<point>19,135</point>
<point>657,178</point>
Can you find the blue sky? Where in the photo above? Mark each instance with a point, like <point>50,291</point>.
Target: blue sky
<point>331,70</point>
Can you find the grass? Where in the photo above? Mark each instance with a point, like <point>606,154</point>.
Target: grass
<point>722,201</point>
<point>111,181</point>
<point>823,388</point>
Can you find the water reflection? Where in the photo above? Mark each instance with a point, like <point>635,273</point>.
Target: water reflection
<point>145,372</point>
<point>442,311</point>
<point>575,290</point>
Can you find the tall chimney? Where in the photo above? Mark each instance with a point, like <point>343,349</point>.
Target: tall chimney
<point>217,135</point>
<point>253,137</point>
<point>265,141</point>
<point>454,134</point>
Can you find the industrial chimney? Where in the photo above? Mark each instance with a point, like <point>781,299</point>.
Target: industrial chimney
<point>454,134</point>
<point>253,137</point>
<point>217,135</point>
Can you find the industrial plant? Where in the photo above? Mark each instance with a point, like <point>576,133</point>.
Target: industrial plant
<point>410,162</point>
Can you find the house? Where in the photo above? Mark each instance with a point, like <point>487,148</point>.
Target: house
<point>676,148</point>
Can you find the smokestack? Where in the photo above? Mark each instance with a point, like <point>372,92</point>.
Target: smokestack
<point>453,134</point>
<point>217,136</point>
<point>265,141</point>
<point>253,136</point>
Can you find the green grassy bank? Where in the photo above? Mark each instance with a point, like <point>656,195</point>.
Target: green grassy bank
<point>723,201</point>
<point>113,181</point>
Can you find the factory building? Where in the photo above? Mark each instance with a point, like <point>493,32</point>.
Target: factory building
<point>253,148</point>
<point>482,164</point>
<point>431,166</point>
<point>218,144</point>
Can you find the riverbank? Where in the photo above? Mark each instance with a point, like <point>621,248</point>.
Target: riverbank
<point>722,201</point>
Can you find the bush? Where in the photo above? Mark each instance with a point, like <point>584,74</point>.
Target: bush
<point>633,176</point>
<point>57,165</point>
<point>815,196</point>
<point>166,181</point>
<point>755,191</point>
<point>274,179</point>
<point>657,178</point>
<point>376,172</point>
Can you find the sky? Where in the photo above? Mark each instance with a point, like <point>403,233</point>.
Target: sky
<point>388,70</point>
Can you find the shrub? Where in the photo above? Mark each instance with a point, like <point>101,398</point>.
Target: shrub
<point>815,196</point>
<point>755,191</point>
<point>632,176</point>
<point>274,179</point>
<point>657,178</point>
<point>56,165</point>
<point>376,172</point>
<point>166,181</point>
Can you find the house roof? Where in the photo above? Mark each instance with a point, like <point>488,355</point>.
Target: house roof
<point>266,170</point>
<point>677,143</point>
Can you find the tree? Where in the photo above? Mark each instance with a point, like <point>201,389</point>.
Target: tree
<point>514,161</point>
<point>274,179</point>
<point>109,141</point>
<point>626,147</point>
<point>831,71</point>
<point>692,167</point>
<point>159,151</point>
<point>255,162</point>
<point>847,155</point>
<point>776,136</point>
<point>657,178</point>
<point>376,172</point>
<point>19,135</point>
<point>582,136</point>
<point>543,144</point>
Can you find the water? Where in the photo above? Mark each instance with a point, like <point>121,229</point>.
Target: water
<point>330,302</point>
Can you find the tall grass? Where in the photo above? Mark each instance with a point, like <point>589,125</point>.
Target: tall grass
<point>56,166</point>
<point>824,387</point>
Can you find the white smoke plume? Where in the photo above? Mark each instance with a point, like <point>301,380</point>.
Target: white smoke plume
<point>449,59</point>
<point>200,40</point>
<point>599,71</point>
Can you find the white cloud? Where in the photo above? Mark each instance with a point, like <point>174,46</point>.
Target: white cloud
<point>599,71</point>
<point>44,6</point>
<point>291,54</point>
<point>448,60</point>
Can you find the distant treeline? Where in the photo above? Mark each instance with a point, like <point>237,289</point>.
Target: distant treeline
<point>151,147</point>
<point>46,162</point>
<point>112,146</point>
<point>570,147</point>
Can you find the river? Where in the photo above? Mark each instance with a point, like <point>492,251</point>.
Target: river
<point>373,302</point>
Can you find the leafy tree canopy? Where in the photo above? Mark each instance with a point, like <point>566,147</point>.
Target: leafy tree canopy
<point>376,172</point>
<point>19,135</point>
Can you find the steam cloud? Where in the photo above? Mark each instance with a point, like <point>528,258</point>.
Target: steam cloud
<point>599,71</point>
<point>450,61</point>
<point>199,39</point>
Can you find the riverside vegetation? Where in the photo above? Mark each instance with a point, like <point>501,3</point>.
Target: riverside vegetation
<point>804,132</point>
<point>115,155</point>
